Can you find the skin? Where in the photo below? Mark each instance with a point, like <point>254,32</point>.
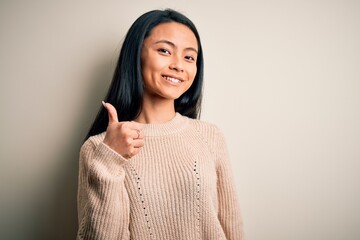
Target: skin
<point>168,60</point>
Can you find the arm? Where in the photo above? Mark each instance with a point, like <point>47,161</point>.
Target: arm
<point>229,210</point>
<point>103,203</point>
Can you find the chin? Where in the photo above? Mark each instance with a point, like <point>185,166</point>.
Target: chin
<point>172,95</point>
<point>166,94</point>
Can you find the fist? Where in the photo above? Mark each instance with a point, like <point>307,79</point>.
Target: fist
<point>125,138</point>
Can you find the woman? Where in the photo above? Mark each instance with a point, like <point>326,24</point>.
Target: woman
<point>148,168</point>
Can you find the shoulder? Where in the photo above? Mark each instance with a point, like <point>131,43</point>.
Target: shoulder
<point>208,130</point>
<point>212,135</point>
<point>204,125</point>
<point>92,142</point>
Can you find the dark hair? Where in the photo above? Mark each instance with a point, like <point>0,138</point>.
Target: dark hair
<point>126,89</point>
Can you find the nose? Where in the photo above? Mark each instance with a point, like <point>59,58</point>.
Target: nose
<point>176,65</point>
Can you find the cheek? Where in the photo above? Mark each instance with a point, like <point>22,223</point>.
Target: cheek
<point>193,73</point>
<point>153,66</point>
<point>149,65</point>
<point>147,71</point>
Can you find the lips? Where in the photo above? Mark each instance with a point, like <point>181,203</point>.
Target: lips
<point>172,79</point>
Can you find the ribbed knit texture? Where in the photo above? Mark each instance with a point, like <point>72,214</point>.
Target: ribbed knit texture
<point>179,186</point>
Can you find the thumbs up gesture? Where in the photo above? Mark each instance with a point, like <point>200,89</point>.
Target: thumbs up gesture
<point>125,138</point>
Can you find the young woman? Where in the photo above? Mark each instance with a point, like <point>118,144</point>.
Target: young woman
<point>148,168</point>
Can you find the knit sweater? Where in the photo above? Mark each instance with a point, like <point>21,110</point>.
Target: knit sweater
<point>179,186</point>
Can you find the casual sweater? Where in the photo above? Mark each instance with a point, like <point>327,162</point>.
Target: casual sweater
<point>179,186</point>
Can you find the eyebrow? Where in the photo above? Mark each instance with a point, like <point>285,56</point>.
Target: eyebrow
<point>173,45</point>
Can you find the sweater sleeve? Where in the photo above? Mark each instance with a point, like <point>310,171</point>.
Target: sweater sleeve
<point>229,213</point>
<point>103,202</point>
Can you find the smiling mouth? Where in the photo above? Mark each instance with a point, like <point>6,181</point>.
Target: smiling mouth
<point>171,79</point>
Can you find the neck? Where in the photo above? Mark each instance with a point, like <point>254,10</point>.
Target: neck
<point>156,111</point>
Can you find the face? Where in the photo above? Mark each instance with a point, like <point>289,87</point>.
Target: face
<point>168,60</point>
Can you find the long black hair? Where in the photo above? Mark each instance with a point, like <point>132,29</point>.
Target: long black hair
<point>126,89</point>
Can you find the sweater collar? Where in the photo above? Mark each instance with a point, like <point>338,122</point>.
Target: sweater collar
<point>175,125</point>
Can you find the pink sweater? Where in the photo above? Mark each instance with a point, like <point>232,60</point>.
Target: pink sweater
<point>179,186</point>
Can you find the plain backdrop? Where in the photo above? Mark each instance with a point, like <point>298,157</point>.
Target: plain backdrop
<point>282,81</point>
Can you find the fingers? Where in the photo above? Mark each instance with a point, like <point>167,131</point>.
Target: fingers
<point>136,134</point>
<point>134,130</point>
<point>113,117</point>
<point>126,138</point>
<point>132,153</point>
<point>134,146</point>
<point>138,143</point>
<point>135,125</point>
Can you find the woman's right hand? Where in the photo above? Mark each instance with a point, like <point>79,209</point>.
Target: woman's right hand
<point>125,138</point>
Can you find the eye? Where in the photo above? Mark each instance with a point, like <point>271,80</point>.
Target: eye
<point>163,51</point>
<point>190,58</point>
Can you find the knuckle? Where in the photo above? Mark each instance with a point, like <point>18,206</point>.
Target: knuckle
<point>125,125</point>
<point>131,152</point>
<point>121,126</point>
<point>128,142</point>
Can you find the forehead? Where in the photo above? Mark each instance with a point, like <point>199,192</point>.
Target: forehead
<point>177,33</point>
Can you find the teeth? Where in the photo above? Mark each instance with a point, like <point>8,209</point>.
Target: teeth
<point>174,80</point>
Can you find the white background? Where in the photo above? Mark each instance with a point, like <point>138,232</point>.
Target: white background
<point>282,80</point>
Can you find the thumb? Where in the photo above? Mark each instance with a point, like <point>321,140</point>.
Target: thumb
<point>113,117</point>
